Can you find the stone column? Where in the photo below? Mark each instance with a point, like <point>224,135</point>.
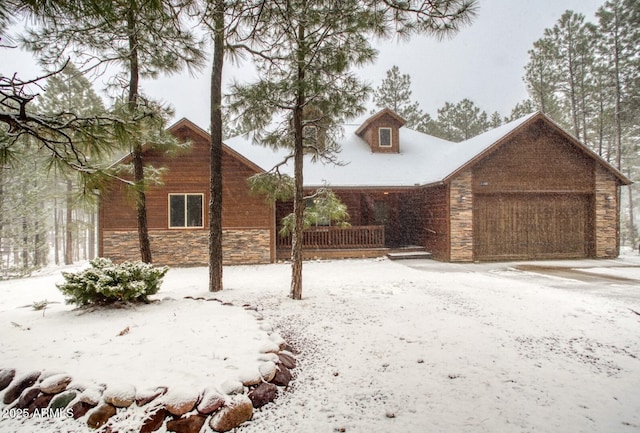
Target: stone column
<point>461,218</point>
<point>607,223</point>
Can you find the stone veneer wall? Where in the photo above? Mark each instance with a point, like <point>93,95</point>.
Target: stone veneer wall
<point>461,218</point>
<point>190,247</point>
<point>607,215</point>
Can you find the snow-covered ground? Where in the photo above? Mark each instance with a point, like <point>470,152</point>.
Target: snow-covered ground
<point>385,346</point>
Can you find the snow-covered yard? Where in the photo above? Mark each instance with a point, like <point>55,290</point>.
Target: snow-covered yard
<point>384,346</point>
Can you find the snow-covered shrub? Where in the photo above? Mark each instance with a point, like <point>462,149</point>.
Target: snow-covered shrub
<point>105,282</point>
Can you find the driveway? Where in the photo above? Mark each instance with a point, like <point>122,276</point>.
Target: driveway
<point>615,279</point>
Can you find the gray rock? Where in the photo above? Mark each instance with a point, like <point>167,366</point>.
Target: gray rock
<point>287,360</point>
<point>237,411</point>
<point>63,399</point>
<point>80,409</point>
<point>100,415</point>
<point>211,401</point>
<point>154,418</point>
<point>263,394</point>
<point>283,376</point>
<point>27,397</point>
<point>41,402</point>
<point>55,384</point>
<point>178,402</point>
<point>147,396</point>
<point>267,371</point>
<point>19,385</point>
<point>6,376</point>
<point>190,424</point>
<point>120,396</point>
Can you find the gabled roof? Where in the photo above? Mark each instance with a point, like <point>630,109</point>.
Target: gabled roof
<point>184,122</point>
<point>423,159</point>
<point>490,141</point>
<point>376,116</point>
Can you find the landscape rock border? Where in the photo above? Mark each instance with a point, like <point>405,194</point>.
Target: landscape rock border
<point>45,394</point>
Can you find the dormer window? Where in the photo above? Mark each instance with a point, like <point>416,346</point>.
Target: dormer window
<point>384,135</point>
<point>382,132</point>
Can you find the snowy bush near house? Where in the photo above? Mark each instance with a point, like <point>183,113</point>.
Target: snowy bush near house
<point>105,282</point>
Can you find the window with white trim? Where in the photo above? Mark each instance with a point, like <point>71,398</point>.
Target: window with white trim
<point>384,135</point>
<point>186,210</point>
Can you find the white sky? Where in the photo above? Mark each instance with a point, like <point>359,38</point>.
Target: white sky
<point>484,62</point>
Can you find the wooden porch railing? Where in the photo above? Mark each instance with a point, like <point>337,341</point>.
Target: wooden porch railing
<point>338,237</point>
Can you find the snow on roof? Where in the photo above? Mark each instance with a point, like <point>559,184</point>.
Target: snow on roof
<point>423,159</point>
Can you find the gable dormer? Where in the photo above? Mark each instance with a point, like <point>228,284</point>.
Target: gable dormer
<point>382,131</point>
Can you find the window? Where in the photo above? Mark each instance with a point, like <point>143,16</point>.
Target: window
<point>385,137</point>
<point>185,210</point>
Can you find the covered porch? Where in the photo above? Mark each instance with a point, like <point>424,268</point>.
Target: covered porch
<point>382,221</point>
<point>337,242</point>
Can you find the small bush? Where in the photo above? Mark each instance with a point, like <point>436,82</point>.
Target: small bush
<point>106,283</point>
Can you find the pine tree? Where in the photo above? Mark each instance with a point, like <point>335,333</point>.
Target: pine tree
<point>521,109</point>
<point>459,122</point>
<point>591,76</point>
<point>618,22</point>
<point>143,39</point>
<point>304,52</point>
<point>24,223</point>
<point>70,91</point>
<point>395,93</point>
<point>541,78</point>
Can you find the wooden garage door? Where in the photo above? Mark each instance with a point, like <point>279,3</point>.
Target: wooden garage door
<point>531,226</point>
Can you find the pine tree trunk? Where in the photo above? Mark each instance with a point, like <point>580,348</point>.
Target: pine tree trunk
<point>138,164</point>
<point>215,172</point>
<point>25,243</point>
<point>632,227</point>
<point>298,199</point>
<point>618,92</point>
<point>68,250</point>
<point>572,95</point>
<point>92,235</point>
<point>141,207</point>
<point>56,231</point>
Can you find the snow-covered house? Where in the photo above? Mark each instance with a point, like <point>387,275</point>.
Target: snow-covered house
<point>525,190</point>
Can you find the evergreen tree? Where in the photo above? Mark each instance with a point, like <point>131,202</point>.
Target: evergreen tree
<point>304,51</point>
<point>70,91</point>
<point>395,93</point>
<point>222,18</point>
<point>143,39</point>
<point>495,120</point>
<point>520,110</point>
<point>541,78</point>
<point>24,224</point>
<point>459,122</point>
<point>618,22</point>
<point>589,73</point>
<point>571,60</point>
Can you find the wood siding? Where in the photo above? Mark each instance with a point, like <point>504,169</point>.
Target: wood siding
<point>534,199</point>
<point>537,159</point>
<point>532,226</point>
<point>435,224</point>
<point>188,172</point>
<point>371,136</point>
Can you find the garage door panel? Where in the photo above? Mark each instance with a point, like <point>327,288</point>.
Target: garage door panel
<point>530,226</point>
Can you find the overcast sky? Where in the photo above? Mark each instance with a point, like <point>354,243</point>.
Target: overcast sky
<point>484,62</point>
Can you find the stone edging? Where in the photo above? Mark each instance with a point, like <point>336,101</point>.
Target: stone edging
<point>42,394</point>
